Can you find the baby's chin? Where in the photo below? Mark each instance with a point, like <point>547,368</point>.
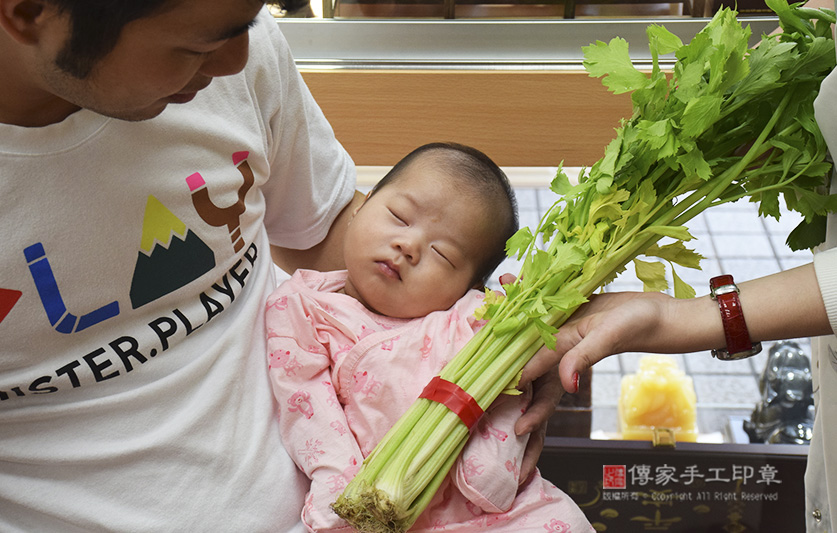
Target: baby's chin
<point>392,307</point>
<point>394,311</point>
<point>400,310</point>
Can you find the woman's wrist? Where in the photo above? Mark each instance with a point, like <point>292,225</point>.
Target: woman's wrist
<point>693,325</point>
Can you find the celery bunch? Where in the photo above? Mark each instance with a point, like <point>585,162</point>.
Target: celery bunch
<point>729,122</point>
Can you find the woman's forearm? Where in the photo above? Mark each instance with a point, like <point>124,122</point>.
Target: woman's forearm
<point>785,305</point>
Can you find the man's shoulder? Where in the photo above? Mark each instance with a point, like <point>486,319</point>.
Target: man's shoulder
<point>267,44</point>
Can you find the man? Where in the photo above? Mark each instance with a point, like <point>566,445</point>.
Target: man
<point>136,260</point>
<point>153,156</point>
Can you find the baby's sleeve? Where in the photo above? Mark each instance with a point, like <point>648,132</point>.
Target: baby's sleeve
<point>312,422</point>
<point>488,470</point>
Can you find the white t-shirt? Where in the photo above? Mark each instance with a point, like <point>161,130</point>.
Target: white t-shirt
<point>134,268</point>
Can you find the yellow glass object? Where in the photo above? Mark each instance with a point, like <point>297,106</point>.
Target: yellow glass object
<point>660,395</point>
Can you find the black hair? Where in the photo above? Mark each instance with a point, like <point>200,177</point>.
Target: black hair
<point>481,174</point>
<point>95,27</point>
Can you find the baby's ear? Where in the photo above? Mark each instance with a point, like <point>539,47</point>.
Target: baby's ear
<point>365,199</point>
<point>356,209</point>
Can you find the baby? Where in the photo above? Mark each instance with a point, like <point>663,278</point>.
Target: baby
<point>350,351</point>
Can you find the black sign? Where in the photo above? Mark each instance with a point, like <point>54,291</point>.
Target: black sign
<point>628,486</point>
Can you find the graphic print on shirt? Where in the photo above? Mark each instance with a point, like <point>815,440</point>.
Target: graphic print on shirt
<point>512,466</point>
<point>301,401</point>
<point>338,482</point>
<point>366,384</point>
<point>488,431</point>
<point>170,256</point>
<point>8,299</point>
<point>226,216</point>
<point>312,451</point>
<point>557,526</point>
<point>57,313</point>
<point>472,467</point>
<point>285,360</point>
<point>426,348</point>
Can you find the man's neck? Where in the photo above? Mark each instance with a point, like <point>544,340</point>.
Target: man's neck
<point>34,112</point>
<point>22,101</point>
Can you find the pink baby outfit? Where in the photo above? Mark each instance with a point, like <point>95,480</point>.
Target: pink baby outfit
<point>342,375</point>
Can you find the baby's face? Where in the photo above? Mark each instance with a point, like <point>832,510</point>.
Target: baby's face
<point>415,245</point>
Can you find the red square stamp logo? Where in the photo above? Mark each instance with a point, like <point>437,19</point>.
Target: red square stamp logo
<point>613,476</point>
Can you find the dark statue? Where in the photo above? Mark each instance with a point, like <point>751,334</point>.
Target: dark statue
<point>785,414</point>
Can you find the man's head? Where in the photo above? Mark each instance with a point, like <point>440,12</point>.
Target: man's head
<point>126,58</point>
<point>95,27</point>
<point>90,38</point>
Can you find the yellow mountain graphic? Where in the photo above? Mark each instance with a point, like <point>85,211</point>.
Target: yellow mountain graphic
<point>158,225</point>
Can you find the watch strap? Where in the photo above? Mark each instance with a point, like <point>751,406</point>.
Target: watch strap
<point>739,346</point>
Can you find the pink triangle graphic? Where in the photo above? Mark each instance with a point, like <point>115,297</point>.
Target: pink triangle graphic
<point>8,299</point>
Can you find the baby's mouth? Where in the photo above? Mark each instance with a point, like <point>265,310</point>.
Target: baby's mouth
<point>389,269</point>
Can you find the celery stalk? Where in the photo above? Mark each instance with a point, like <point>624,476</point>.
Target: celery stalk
<point>679,155</point>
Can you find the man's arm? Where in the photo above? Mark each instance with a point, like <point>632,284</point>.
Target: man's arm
<point>325,256</point>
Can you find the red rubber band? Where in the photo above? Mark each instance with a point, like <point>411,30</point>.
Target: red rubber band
<point>454,398</point>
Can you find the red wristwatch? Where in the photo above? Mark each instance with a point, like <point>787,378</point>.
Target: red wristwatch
<point>739,345</point>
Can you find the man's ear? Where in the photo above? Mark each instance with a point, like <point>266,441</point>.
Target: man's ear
<point>23,19</point>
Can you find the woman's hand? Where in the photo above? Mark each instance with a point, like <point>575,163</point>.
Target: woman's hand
<point>609,323</point>
<point>612,323</point>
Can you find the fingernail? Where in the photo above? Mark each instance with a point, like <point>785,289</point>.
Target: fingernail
<point>575,383</point>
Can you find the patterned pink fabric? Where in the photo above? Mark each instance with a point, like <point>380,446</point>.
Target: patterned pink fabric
<point>342,376</point>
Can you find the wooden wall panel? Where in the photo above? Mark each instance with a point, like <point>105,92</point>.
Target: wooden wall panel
<point>519,118</point>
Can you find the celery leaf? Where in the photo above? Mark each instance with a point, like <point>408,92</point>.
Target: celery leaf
<point>612,61</point>
<point>681,288</point>
<point>652,274</point>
